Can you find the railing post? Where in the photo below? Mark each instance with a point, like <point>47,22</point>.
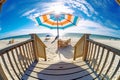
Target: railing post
<point>85,47</point>
<point>2,73</point>
<point>39,47</point>
<point>34,46</point>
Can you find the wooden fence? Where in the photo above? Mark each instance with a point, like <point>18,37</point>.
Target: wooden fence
<point>16,59</point>
<point>104,60</point>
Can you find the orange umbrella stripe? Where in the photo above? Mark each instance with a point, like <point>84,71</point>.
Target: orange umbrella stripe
<point>46,20</point>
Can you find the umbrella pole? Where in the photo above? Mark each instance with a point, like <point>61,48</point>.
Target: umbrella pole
<point>58,39</point>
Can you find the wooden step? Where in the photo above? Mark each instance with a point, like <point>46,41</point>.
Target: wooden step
<point>77,70</point>
<point>59,66</point>
<point>59,71</point>
<point>72,76</point>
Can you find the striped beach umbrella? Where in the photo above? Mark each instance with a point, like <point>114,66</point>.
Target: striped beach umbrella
<point>61,21</point>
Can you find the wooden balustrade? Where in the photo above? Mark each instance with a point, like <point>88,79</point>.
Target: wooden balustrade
<point>103,59</point>
<point>39,47</point>
<point>81,47</point>
<point>16,59</point>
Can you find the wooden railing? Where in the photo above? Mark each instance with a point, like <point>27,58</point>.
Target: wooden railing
<point>104,60</point>
<point>16,59</point>
<point>39,47</point>
<point>81,47</point>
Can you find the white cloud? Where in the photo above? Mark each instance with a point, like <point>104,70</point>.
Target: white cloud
<point>87,26</point>
<point>48,8</point>
<point>29,12</point>
<point>53,7</point>
<point>83,6</point>
<point>29,31</point>
<point>84,26</point>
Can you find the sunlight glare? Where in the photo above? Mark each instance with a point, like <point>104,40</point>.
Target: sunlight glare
<point>57,10</point>
<point>60,8</point>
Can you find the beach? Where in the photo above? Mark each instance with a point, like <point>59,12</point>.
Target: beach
<point>66,53</point>
<point>55,55</point>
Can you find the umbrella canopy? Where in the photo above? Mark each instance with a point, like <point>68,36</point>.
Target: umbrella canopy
<point>61,21</point>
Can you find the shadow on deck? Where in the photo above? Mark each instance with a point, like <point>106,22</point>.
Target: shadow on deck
<point>78,70</point>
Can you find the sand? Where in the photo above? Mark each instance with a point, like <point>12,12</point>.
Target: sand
<point>112,43</point>
<point>63,54</point>
<point>66,53</point>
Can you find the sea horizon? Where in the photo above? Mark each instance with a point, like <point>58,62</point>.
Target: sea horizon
<point>72,35</point>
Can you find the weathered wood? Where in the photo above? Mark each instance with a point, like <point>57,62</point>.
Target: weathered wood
<point>79,48</point>
<point>39,47</point>
<point>90,54</point>
<point>89,48</point>
<point>116,51</point>
<point>32,52</point>
<point>19,60</point>
<point>22,58</point>
<point>74,54</point>
<point>6,66</point>
<point>27,54</point>
<point>100,59</point>
<point>85,47</point>
<point>101,62</point>
<point>13,46</point>
<point>40,41</point>
<point>109,67</point>
<point>70,71</point>
<point>34,46</point>
<point>117,68</point>
<point>106,58</point>
<point>97,56</point>
<point>93,54</point>
<point>12,65</point>
<point>13,55</point>
<point>2,73</point>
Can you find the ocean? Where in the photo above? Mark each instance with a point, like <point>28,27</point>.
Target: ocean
<point>76,35</point>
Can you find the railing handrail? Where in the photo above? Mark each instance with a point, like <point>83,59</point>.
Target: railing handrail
<point>2,51</point>
<point>116,51</point>
<point>15,59</point>
<point>40,41</point>
<point>102,59</point>
<point>80,40</point>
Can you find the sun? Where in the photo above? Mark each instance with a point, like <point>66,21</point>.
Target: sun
<point>59,9</point>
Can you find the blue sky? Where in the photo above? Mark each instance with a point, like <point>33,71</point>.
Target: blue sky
<point>96,16</point>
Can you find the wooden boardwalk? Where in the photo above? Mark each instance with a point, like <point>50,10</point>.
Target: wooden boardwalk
<point>44,70</point>
<point>28,61</point>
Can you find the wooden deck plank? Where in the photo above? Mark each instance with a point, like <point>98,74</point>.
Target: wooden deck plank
<point>58,66</point>
<point>60,77</point>
<point>60,71</point>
